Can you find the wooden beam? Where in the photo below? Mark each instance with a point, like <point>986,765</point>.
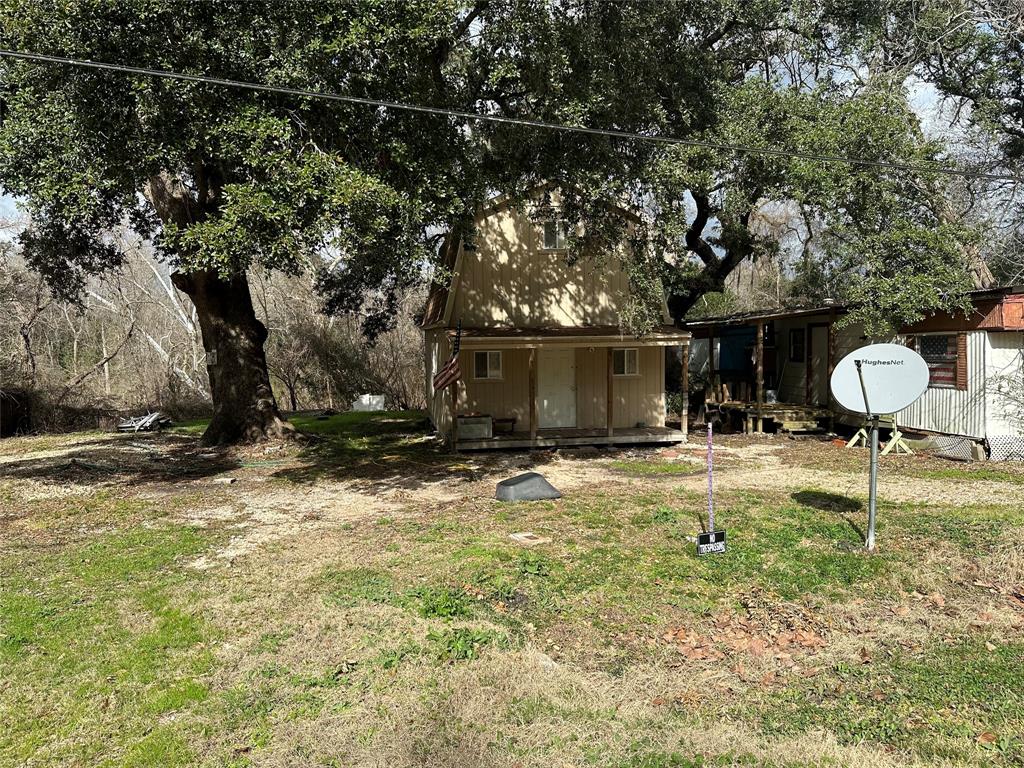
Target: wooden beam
<point>609,410</point>
<point>711,365</point>
<point>831,366</point>
<point>808,364</point>
<point>534,415</point>
<point>759,381</point>
<point>453,394</point>
<point>684,410</point>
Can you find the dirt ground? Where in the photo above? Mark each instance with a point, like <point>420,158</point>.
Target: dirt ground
<point>282,521</point>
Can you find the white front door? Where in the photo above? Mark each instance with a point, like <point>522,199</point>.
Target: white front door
<point>556,388</point>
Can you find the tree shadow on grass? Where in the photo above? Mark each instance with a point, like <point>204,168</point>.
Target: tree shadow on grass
<point>835,503</point>
<point>383,463</point>
<point>128,459</point>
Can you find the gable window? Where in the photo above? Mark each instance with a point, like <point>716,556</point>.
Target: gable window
<point>942,354</point>
<point>487,365</point>
<point>626,362</point>
<point>796,345</point>
<point>556,234</point>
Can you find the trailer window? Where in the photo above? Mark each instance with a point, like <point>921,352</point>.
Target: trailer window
<point>940,353</point>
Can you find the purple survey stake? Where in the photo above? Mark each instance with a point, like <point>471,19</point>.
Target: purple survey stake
<point>711,542</point>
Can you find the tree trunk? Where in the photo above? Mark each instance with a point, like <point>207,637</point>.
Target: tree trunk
<point>244,408</point>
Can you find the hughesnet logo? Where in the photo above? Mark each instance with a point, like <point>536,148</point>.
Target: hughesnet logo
<point>883,362</point>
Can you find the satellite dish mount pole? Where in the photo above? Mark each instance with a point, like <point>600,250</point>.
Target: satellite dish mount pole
<point>873,471</point>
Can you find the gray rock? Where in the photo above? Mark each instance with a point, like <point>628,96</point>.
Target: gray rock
<point>529,486</point>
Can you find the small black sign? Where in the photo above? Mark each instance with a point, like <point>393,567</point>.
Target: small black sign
<point>711,543</point>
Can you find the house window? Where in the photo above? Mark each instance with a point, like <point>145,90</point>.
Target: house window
<point>487,365</point>
<point>796,345</point>
<point>940,353</point>
<point>556,234</point>
<point>626,362</point>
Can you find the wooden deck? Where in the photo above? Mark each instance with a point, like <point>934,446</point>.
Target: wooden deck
<point>555,438</point>
<point>788,417</point>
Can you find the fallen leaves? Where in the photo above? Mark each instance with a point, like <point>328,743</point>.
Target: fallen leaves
<point>780,632</point>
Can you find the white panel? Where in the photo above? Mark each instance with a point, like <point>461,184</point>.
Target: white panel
<point>1004,413</point>
<point>556,388</point>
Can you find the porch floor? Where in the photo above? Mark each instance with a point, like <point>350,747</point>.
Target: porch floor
<point>553,438</point>
<point>789,417</point>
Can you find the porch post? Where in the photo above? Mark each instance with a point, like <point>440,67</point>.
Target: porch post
<point>831,367</point>
<point>711,366</point>
<point>759,382</point>
<point>453,390</point>
<point>684,409</point>
<point>609,414</point>
<point>533,393</point>
<point>808,365</point>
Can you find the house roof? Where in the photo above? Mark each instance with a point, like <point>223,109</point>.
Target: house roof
<point>591,336</point>
<point>742,318</point>
<point>437,299</point>
<point>562,331</point>
<point>978,296</point>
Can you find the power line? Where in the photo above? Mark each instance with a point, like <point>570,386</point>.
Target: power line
<point>475,116</point>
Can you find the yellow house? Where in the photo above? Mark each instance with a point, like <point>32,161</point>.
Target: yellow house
<point>543,360</point>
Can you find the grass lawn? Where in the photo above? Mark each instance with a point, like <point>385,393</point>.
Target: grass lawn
<point>355,600</point>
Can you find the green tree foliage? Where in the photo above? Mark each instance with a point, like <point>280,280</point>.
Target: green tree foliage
<point>227,181</point>
<point>790,76</point>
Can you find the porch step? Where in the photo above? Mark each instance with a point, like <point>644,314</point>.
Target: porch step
<point>801,426</point>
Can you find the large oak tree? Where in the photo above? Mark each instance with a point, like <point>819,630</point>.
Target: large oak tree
<point>226,181</point>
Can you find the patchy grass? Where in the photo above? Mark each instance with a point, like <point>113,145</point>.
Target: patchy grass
<point>423,635</point>
<point>645,468</point>
<point>941,703</point>
<point>101,640</point>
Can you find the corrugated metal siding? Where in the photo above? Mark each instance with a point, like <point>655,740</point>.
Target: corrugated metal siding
<point>952,411</point>
<point>1004,363</point>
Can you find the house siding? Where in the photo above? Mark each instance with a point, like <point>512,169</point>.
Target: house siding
<point>507,279</point>
<point>591,387</point>
<point>436,350</point>
<point>641,399</point>
<point>508,397</point>
<point>954,411</point>
<point>1004,360</point>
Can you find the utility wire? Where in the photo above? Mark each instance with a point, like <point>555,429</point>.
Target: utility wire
<point>475,116</point>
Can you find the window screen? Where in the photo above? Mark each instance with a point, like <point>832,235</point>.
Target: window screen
<point>625,362</point>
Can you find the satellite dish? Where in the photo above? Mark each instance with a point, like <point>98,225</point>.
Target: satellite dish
<point>894,377</point>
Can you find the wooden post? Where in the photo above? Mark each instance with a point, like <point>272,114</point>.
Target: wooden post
<point>684,409</point>
<point>453,393</point>
<point>808,363</point>
<point>533,394</point>
<point>759,379</point>
<point>831,367</point>
<point>711,364</point>
<point>609,410</point>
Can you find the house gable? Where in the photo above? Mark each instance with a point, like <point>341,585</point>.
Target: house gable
<point>506,278</point>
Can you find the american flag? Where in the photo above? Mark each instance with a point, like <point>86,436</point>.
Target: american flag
<point>940,354</point>
<point>450,372</point>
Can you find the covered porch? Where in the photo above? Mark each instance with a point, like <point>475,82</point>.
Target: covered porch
<point>550,387</point>
<point>770,369</point>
